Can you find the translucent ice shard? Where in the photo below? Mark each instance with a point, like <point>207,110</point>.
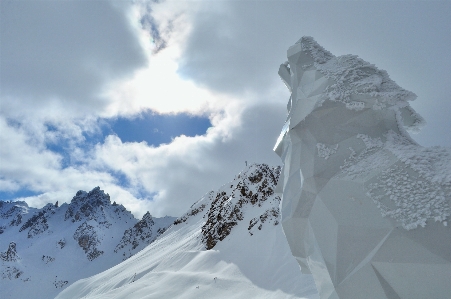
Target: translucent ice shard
<point>365,209</point>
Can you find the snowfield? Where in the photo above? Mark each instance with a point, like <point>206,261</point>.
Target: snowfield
<point>42,251</point>
<point>252,261</point>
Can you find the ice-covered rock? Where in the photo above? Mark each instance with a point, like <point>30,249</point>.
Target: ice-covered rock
<point>365,209</point>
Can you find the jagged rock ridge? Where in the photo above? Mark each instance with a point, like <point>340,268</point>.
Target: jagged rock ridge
<point>67,241</point>
<point>141,234</point>
<point>229,244</point>
<point>224,209</point>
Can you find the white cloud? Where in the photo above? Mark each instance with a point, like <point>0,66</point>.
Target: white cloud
<point>181,172</point>
<point>57,55</point>
<point>66,65</point>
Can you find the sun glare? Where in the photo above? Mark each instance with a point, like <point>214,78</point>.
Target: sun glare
<point>157,86</point>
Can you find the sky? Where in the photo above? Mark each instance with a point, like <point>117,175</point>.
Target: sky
<point>159,102</point>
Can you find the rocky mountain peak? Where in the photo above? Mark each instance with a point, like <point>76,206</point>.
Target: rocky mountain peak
<point>147,217</point>
<point>85,205</point>
<point>94,197</point>
<point>71,241</point>
<point>225,208</point>
<point>251,187</point>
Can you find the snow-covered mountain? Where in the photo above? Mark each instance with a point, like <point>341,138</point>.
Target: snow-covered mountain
<point>229,244</point>
<point>42,251</point>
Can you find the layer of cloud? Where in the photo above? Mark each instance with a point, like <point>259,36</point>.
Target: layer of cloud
<point>65,65</point>
<point>180,172</point>
<point>61,53</point>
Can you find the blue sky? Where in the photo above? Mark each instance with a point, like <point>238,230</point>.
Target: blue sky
<point>160,102</point>
<point>153,129</point>
<point>156,129</point>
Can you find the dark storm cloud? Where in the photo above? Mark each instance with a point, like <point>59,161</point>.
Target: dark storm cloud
<point>64,49</point>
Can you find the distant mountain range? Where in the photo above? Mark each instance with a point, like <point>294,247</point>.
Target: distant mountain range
<point>42,251</point>
<point>229,244</point>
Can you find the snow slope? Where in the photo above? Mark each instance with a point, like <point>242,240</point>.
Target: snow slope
<point>44,250</point>
<point>248,255</point>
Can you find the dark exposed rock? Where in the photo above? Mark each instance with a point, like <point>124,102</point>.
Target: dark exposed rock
<point>86,206</point>
<point>47,259</point>
<point>16,220</point>
<point>12,211</point>
<point>192,212</point>
<point>11,272</point>
<point>226,208</point>
<point>87,238</point>
<point>62,243</point>
<point>11,254</point>
<point>143,233</point>
<point>60,283</point>
<point>38,223</point>
<point>272,214</point>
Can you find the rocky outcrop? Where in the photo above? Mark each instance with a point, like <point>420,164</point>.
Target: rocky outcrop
<point>11,272</point>
<point>11,214</point>
<point>226,208</point>
<point>63,239</point>
<point>11,254</point>
<point>87,238</point>
<point>141,234</point>
<point>271,215</point>
<point>88,205</point>
<point>38,223</point>
<point>192,212</point>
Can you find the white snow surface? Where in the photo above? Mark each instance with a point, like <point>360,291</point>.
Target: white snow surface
<point>48,255</point>
<point>348,160</point>
<point>413,190</point>
<point>356,79</point>
<point>252,261</point>
<point>411,184</point>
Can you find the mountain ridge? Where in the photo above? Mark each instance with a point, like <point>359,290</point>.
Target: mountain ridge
<point>229,244</point>
<point>68,242</point>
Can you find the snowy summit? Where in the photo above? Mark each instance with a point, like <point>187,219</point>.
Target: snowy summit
<point>42,251</point>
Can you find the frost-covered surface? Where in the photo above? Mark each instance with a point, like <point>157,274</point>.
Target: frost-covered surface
<point>424,193</point>
<point>325,151</point>
<point>249,255</point>
<point>359,84</point>
<point>415,189</point>
<point>42,251</point>
<point>363,204</point>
